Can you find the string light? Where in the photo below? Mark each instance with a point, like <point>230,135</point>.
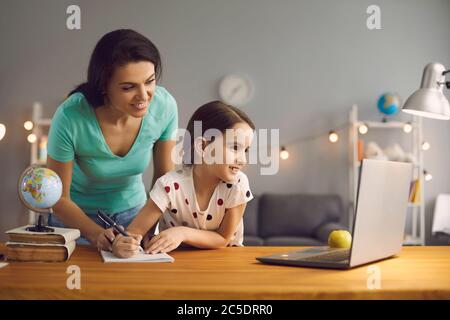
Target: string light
<point>427,175</point>
<point>2,131</point>
<point>333,136</point>
<point>32,138</point>
<point>425,146</point>
<point>28,125</point>
<point>407,128</point>
<point>363,129</point>
<point>284,154</point>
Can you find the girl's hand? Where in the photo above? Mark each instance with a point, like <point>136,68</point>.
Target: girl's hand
<point>105,239</point>
<point>146,241</point>
<point>165,241</point>
<point>126,247</point>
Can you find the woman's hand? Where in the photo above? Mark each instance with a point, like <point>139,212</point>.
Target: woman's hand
<point>165,241</point>
<point>105,239</point>
<point>126,247</point>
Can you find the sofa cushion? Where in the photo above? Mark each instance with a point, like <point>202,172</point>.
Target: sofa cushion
<point>292,241</point>
<point>251,217</point>
<point>253,241</point>
<point>296,215</point>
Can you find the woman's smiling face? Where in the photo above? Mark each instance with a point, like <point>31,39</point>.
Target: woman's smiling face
<point>131,88</point>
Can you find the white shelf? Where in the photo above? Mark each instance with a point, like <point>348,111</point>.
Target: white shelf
<point>415,210</point>
<point>43,122</point>
<point>40,128</point>
<point>384,125</point>
<point>415,165</point>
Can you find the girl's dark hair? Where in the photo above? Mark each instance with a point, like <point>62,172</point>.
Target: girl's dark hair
<point>213,115</point>
<point>115,49</point>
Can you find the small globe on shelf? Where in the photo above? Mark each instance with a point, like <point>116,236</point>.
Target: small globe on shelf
<point>389,104</point>
<point>39,190</point>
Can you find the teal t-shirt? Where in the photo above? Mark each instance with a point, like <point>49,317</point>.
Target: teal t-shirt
<point>101,179</point>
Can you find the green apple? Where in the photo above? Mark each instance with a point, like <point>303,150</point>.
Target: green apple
<point>340,239</point>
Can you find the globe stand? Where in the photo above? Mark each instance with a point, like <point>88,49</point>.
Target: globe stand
<point>40,227</point>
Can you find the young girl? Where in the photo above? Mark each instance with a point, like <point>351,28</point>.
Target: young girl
<point>201,205</point>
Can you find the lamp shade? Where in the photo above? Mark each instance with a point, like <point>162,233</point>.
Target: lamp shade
<point>429,101</point>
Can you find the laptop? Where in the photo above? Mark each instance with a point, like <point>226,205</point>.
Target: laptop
<point>379,221</point>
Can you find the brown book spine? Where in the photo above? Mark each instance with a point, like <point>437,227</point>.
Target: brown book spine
<point>18,252</point>
<point>36,238</point>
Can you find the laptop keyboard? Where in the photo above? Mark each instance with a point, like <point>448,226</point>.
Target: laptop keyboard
<point>333,256</point>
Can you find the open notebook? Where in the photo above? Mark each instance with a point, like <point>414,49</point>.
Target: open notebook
<point>139,257</point>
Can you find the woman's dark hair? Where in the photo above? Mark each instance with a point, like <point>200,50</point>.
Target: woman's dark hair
<point>115,49</point>
<point>213,115</point>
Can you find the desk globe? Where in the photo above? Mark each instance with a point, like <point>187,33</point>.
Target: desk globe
<point>39,190</point>
<point>389,104</point>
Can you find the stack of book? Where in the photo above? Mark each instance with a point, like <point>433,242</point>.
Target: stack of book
<point>54,246</point>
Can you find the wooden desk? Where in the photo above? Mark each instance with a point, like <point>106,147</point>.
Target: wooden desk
<point>229,273</point>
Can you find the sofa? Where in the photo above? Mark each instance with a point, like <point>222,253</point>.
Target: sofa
<point>292,219</point>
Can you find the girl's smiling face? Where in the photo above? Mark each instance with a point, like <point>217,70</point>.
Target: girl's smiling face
<point>131,88</point>
<point>227,154</point>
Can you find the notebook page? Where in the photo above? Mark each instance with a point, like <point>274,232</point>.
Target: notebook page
<point>139,257</point>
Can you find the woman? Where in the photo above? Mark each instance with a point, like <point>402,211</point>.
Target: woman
<point>103,135</point>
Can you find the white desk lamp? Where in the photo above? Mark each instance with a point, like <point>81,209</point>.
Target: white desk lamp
<point>429,101</point>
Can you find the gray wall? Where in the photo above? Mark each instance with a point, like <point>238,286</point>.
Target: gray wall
<point>309,60</point>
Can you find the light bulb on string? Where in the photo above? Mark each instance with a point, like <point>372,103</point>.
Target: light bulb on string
<point>363,129</point>
<point>32,138</point>
<point>2,131</point>
<point>284,154</point>
<point>427,175</point>
<point>407,128</point>
<point>28,125</point>
<point>425,146</point>
<point>333,136</point>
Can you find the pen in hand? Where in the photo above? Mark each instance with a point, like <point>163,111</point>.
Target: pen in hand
<point>111,223</point>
